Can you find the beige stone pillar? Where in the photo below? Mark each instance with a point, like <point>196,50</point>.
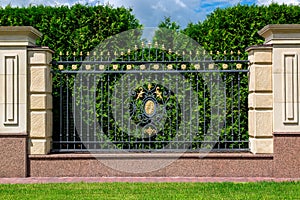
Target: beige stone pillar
<point>14,42</point>
<point>260,100</point>
<point>285,39</point>
<point>40,100</point>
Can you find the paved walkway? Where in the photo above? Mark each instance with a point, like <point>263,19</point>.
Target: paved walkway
<point>138,179</point>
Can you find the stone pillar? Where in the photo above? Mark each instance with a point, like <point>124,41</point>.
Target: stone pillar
<point>260,100</point>
<point>40,100</point>
<point>14,42</point>
<point>285,39</point>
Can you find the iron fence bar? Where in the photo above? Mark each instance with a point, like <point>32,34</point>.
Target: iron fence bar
<point>151,72</point>
<point>54,62</point>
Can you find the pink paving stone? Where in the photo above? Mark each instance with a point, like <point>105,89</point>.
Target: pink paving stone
<point>31,180</point>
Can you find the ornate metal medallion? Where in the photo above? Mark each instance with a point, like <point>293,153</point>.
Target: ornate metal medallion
<point>149,108</point>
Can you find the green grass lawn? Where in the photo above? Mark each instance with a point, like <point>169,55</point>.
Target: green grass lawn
<point>123,191</point>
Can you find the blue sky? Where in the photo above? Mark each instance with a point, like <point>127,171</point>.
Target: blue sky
<point>151,12</point>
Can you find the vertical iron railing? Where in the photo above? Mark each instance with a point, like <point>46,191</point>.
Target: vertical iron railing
<point>170,103</point>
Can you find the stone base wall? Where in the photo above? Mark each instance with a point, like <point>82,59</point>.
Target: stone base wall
<point>13,156</point>
<point>287,155</point>
<point>188,165</point>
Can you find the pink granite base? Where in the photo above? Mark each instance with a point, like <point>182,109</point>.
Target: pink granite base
<point>287,155</point>
<point>13,154</point>
<point>189,165</point>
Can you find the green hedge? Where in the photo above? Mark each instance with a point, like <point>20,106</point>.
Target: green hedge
<point>77,28</point>
<point>235,28</point>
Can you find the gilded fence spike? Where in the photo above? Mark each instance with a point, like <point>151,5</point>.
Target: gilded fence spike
<point>135,47</point>
<point>88,53</point>
<point>225,52</point>
<point>170,51</point>
<point>81,53</point>
<point>163,47</point>
<point>149,44</point>
<point>60,53</point>
<point>108,54</point>
<point>211,53</point>
<point>74,53</point>
<point>225,66</point>
<point>128,51</point>
<point>218,52</point>
<point>101,53</point>
<point>231,52</point>
<point>122,53</point>
<point>204,52</point>
<point>60,67</point>
<point>170,66</point>
<point>183,53</point>
<point>239,52</point>
<point>176,52</point>
<point>67,54</point>
<point>94,53</point>
<point>183,67</point>
<point>115,53</point>
<point>191,53</point>
<point>156,44</point>
<point>143,44</point>
<point>197,53</point>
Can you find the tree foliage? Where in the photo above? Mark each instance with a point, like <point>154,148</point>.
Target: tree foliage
<point>235,28</point>
<point>74,29</point>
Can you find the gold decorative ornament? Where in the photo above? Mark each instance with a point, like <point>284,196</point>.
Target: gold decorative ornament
<point>150,131</point>
<point>211,66</point>
<point>142,67</point>
<point>239,66</point>
<point>60,67</point>
<point>101,67</point>
<point>156,67</point>
<point>158,93</point>
<point>149,107</point>
<point>88,67</point>
<point>149,86</point>
<point>140,94</point>
<point>170,67</point>
<point>183,66</point>
<point>128,67</point>
<point>225,66</point>
<point>74,67</point>
<point>197,66</point>
<point>115,67</point>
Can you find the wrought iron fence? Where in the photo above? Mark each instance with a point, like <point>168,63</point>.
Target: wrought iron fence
<point>171,102</point>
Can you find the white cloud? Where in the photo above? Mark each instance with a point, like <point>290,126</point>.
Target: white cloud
<point>180,3</point>
<point>288,2</point>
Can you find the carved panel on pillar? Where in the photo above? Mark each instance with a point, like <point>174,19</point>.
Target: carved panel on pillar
<point>11,90</point>
<point>291,106</point>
